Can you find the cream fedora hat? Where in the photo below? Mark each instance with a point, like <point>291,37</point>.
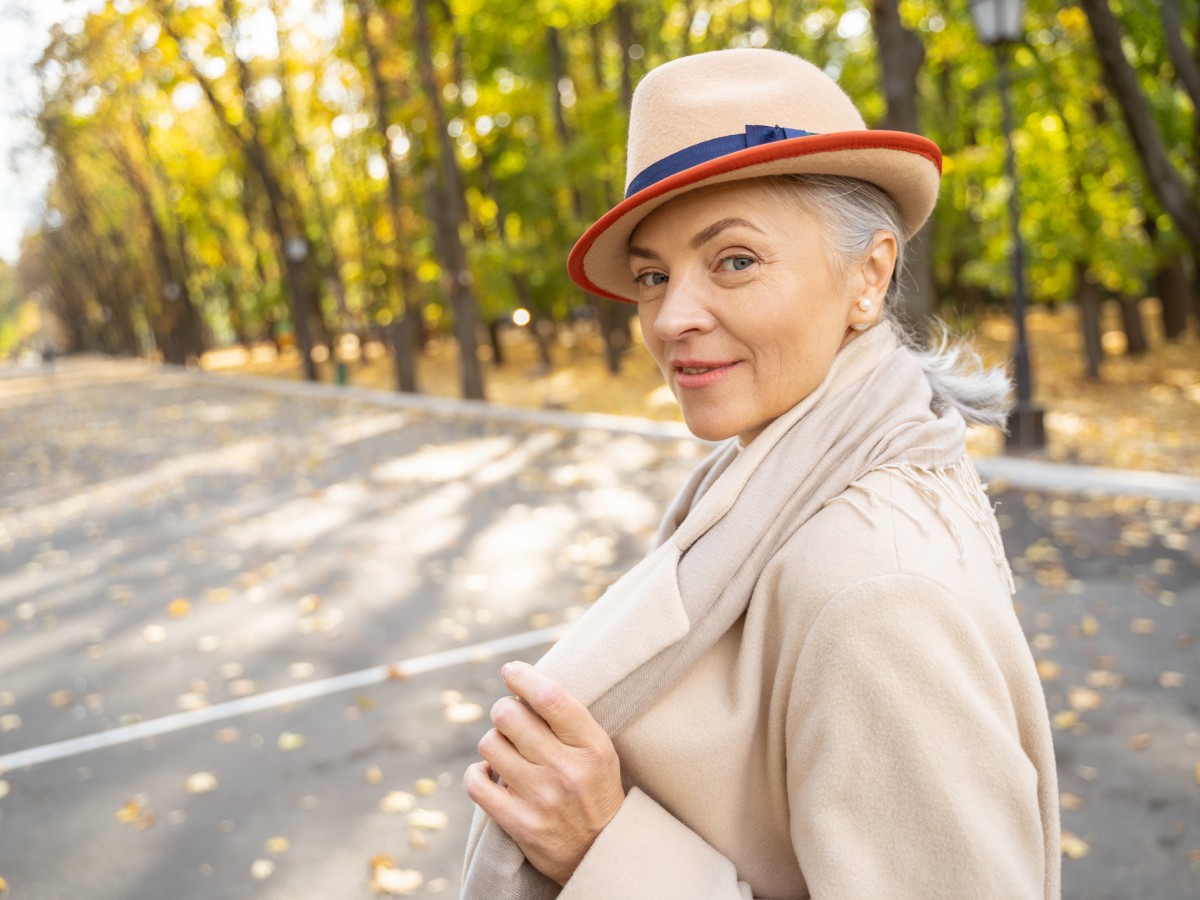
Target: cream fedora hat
<point>735,114</point>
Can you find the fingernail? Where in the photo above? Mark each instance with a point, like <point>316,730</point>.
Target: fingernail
<point>505,670</point>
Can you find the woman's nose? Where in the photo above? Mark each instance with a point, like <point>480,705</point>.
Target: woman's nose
<point>683,311</point>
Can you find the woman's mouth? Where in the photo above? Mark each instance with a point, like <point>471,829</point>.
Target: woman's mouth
<point>695,374</point>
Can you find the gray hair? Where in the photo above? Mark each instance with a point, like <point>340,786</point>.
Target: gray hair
<point>853,213</point>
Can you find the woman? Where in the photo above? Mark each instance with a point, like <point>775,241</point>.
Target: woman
<point>815,685</point>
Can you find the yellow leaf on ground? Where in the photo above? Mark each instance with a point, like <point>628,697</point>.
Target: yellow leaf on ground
<point>179,607</point>
<point>397,802</point>
<point>428,819</point>
<point>1074,846</point>
<point>128,813</point>
<point>1143,626</point>
<point>387,879</point>
<point>1171,679</point>
<point>1070,801</point>
<point>1048,670</point>
<point>1068,718</point>
<point>200,783</point>
<point>262,869</point>
<point>1141,741</point>
<point>290,740</point>
<point>1090,626</point>
<point>1084,699</point>
<point>426,787</point>
<point>278,844</point>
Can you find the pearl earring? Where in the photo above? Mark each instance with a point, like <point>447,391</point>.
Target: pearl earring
<point>865,304</point>
<point>860,326</point>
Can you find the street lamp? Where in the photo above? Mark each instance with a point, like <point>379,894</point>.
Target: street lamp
<point>998,23</point>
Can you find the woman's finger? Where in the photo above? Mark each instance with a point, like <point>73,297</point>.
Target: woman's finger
<point>562,712</point>
<point>505,758</point>
<point>526,730</point>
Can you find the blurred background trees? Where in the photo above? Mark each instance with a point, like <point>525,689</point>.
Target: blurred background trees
<point>313,171</point>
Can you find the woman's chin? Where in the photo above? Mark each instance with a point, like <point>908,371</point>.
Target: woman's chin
<point>709,429</point>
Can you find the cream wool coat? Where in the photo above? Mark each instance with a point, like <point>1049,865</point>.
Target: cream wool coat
<point>872,727</point>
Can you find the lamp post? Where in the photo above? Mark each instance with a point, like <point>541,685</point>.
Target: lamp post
<point>998,23</point>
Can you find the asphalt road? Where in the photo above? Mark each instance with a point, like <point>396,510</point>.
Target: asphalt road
<point>173,543</point>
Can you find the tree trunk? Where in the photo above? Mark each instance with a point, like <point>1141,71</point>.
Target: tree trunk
<point>901,55</point>
<point>1168,184</point>
<point>446,207</point>
<point>493,330</point>
<point>291,247</point>
<point>403,338</point>
<point>1135,329</point>
<point>1186,68</point>
<point>1171,285</point>
<point>1091,302</point>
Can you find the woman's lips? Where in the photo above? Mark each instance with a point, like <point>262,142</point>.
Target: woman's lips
<point>696,374</point>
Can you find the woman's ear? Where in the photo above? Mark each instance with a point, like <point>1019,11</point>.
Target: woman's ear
<point>877,267</point>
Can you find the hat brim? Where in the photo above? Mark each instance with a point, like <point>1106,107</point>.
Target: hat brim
<point>906,166</point>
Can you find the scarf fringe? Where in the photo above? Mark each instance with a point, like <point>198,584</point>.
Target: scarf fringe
<point>957,481</point>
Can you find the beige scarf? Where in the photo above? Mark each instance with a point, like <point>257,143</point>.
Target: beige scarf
<point>737,510</point>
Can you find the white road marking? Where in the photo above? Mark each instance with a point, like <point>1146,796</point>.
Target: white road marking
<point>272,699</point>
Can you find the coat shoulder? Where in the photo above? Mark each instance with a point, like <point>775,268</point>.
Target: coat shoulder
<point>893,523</point>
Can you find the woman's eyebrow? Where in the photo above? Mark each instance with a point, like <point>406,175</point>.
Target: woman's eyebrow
<point>704,236</point>
<point>701,238</point>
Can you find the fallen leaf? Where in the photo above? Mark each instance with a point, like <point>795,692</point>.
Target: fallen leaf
<point>1070,801</point>
<point>190,701</point>
<point>1090,626</point>
<point>1141,741</point>
<point>374,775</point>
<point>1102,678</point>
<point>1171,679</point>
<point>1084,699</point>
<point>1048,670</point>
<point>10,722</point>
<point>290,740</point>
<point>417,840</point>
<point>1074,846</point>
<point>426,787</point>
<point>428,819</point>
<point>1068,718</point>
<point>5,789</point>
<point>397,802</point>
<point>278,844</point>
<point>308,603</point>
<point>59,699</point>
<point>227,735</point>
<point>464,713</point>
<point>387,879</point>
<point>1143,626</point>
<point>179,607</point>
<point>128,813</point>
<point>200,783</point>
<point>262,869</point>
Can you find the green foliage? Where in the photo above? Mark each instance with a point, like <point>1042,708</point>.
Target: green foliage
<point>541,155</point>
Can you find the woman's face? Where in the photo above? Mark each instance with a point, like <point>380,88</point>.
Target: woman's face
<point>739,306</point>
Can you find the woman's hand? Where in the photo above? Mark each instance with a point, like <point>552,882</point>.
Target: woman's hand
<point>561,776</point>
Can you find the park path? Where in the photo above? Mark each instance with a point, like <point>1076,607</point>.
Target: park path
<point>179,544</point>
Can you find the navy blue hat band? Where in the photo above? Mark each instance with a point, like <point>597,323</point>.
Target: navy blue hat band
<point>708,150</point>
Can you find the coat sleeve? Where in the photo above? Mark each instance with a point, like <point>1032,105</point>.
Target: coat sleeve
<point>906,773</point>
<point>645,852</point>
<point>907,776</point>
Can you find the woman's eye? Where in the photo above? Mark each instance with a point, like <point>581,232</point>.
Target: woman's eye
<point>650,279</point>
<point>736,263</point>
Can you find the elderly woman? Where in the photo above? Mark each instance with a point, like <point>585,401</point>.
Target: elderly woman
<point>815,685</point>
